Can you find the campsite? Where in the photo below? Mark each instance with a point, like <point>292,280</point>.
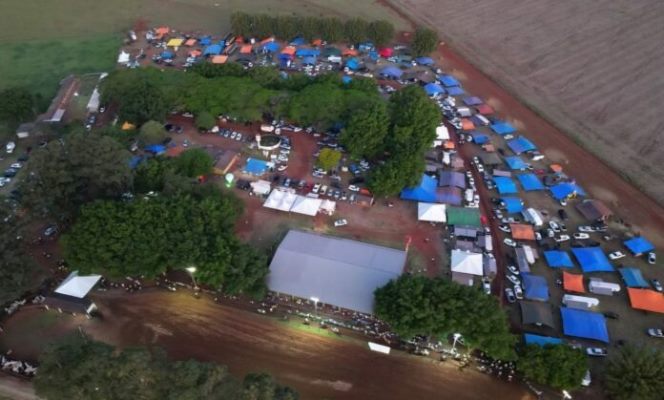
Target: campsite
<point>486,206</point>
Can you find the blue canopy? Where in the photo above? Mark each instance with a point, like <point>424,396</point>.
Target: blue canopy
<point>512,204</point>
<point>346,79</point>
<point>167,55</point>
<point>455,91</point>
<point>472,101</point>
<point>539,340</point>
<point>515,162</point>
<point>285,57</point>
<point>309,60</point>
<point>633,278</point>
<point>424,60</point>
<point>592,259</point>
<point>307,52</point>
<point>449,195</point>
<point>353,63</point>
<point>448,80</point>
<point>584,324</point>
<point>565,189</point>
<point>255,167</point>
<point>535,287</point>
<point>502,127</point>
<point>392,72</point>
<point>155,148</point>
<point>222,43</point>
<point>135,160</point>
<point>433,89</point>
<point>479,137</point>
<point>205,40</point>
<point>530,182</point>
<point>558,259</point>
<point>271,47</point>
<point>297,41</point>
<point>373,55</point>
<point>365,46</point>
<point>424,192</point>
<point>505,185</point>
<point>521,145</point>
<point>212,50</point>
<point>639,245</point>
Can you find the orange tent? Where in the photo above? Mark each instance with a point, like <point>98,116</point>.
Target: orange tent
<point>161,31</point>
<point>246,49</point>
<point>190,42</point>
<point>467,125</point>
<point>268,40</point>
<point>349,52</point>
<point>290,50</point>
<point>219,59</point>
<point>556,168</point>
<point>449,145</point>
<point>646,299</point>
<point>573,282</point>
<point>195,53</point>
<point>317,42</point>
<point>522,232</point>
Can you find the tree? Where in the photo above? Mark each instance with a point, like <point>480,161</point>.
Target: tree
<point>194,162</point>
<point>364,136</point>
<point>150,176</point>
<point>356,30</point>
<point>395,174</point>
<point>16,267</point>
<point>425,41</point>
<point>265,387</point>
<point>328,159</point>
<point>381,32</point>
<point>559,366</point>
<point>635,373</point>
<point>17,105</point>
<point>320,104</point>
<point>205,121</point>
<point>138,95</point>
<point>332,29</point>
<point>414,118</point>
<point>438,307</point>
<point>241,24</point>
<point>247,272</point>
<point>152,132</point>
<point>68,173</point>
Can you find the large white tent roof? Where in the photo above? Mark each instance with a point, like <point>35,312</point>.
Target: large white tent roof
<point>431,212</point>
<point>467,262</point>
<point>337,271</point>
<point>77,286</point>
<point>306,205</point>
<point>280,200</point>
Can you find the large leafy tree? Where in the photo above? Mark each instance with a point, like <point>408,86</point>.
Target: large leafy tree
<point>328,159</point>
<point>364,135</point>
<point>152,132</point>
<point>16,267</point>
<point>264,387</point>
<point>438,307</point>
<point>68,173</point>
<point>17,105</point>
<point>205,121</point>
<point>194,162</point>
<point>356,30</point>
<point>559,366</point>
<point>381,32</point>
<point>635,373</point>
<point>139,95</point>
<point>414,118</point>
<point>318,104</point>
<point>425,41</point>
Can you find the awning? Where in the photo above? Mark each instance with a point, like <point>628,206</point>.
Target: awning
<point>573,282</point>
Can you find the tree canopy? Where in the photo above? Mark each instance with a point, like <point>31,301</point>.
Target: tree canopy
<point>16,266</point>
<point>328,159</point>
<point>77,169</point>
<point>635,373</point>
<point>364,136</point>
<point>439,307</point>
<point>140,99</point>
<point>205,121</point>
<point>194,162</point>
<point>152,132</point>
<point>425,41</point>
<point>77,368</point>
<point>17,105</point>
<point>559,366</point>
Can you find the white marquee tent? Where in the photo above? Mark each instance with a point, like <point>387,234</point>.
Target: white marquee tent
<point>431,212</point>
<point>467,262</point>
<point>77,286</point>
<point>281,200</point>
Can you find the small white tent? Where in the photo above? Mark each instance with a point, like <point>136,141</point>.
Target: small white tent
<point>431,212</point>
<point>77,286</point>
<point>467,262</point>
<point>260,187</point>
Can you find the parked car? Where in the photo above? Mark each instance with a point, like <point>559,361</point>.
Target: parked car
<point>340,222</point>
<point>486,285</point>
<point>513,269</point>
<point>509,295</point>
<point>562,238</point>
<point>17,165</point>
<point>611,315</point>
<point>316,188</point>
<point>657,285</point>
<point>509,242</point>
<point>50,230</point>
<point>596,352</point>
<point>514,279</point>
<point>554,225</point>
<point>616,255</point>
<point>353,188</point>
<point>581,236</point>
<point>652,257</point>
<point>585,228</point>
<point>655,332</point>
<point>505,228</point>
<point>518,292</point>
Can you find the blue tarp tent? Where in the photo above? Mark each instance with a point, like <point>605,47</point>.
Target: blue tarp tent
<point>472,101</point>
<point>271,47</point>
<point>205,40</point>
<point>392,72</point>
<point>425,192</point>
<point>433,89</point>
<point>285,57</point>
<point>515,162</point>
<point>584,324</point>
<point>639,245</point>
<point>297,41</point>
<point>565,189</point>
<point>558,259</point>
<point>535,287</point>
<point>365,46</point>
<point>255,167</point>
<point>346,79</point>
<point>530,182</point>
<point>135,160</point>
<point>307,53</point>
<point>449,195</point>
<point>539,340</point>
<point>448,80</point>
<point>167,55</point>
<point>502,127</point>
<point>505,185</point>
<point>212,50</point>
<point>633,278</point>
<point>373,55</point>
<point>309,60</point>
<point>521,145</point>
<point>353,63</point>
<point>451,178</point>
<point>155,149</point>
<point>455,91</point>
<point>479,137</point>
<point>424,60</point>
<point>512,204</point>
<point>592,259</point>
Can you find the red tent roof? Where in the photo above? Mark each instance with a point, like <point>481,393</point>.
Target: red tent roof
<point>386,52</point>
<point>573,282</point>
<point>646,299</point>
<point>522,232</point>
<point>485,109</point>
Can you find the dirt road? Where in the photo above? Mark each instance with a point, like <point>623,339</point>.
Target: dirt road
<point>318,366</point>
<point>16,389</point>
<point>601,182</point>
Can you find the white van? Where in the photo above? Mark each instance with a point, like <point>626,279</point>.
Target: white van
<point>580,302</point>
<point>10,147</point>
<point>469,195</point>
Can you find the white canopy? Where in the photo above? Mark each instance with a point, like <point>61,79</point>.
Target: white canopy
<point>467,262</point>
<point>261,187</point>
<point>306,205</point>
<point>281,200</point>
<point>77,286</point>
<point>123,58</point>
<point>442,133</point>
<point>431,212</point>
<point>328,207</point>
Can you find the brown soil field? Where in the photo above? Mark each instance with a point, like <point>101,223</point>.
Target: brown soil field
<point>593,68</point>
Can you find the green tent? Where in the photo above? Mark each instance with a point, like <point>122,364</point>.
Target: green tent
<point>464,216</point>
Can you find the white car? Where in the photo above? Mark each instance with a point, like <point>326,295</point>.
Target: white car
<point>282,168</point>
<point>554,226</point>
<point>654,332</point>
<point>652,257</point>
<point>616,255</point>
<point>16,165</point>
<point>509,242</point>
<point>486,285</point>
<point>513,269</point>
<point>323,190</point>
<point>596,352</point>
<point>316,188</point>
<point>518,292</point>
<point>585,228</point>
<point>581,236</point>
<point>514,279</point>
<point>505,228</point>
<point>353,188</point>
<point>562,238</point>
<point>340,222</point>
<point>509,294</point>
